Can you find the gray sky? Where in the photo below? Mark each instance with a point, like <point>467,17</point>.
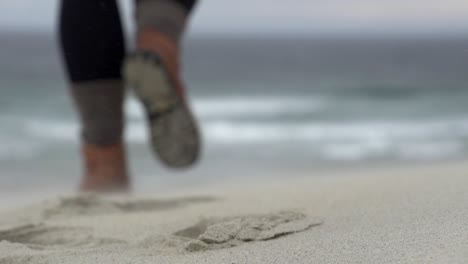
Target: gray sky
<point>281,16</point>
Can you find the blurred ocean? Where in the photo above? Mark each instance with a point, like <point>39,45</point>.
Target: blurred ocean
<point>264,104</point>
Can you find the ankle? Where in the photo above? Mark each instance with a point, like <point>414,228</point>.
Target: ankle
<point>105,168</point>
<point>149,39</point>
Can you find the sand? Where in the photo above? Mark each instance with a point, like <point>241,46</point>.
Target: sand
<point>415,214</point>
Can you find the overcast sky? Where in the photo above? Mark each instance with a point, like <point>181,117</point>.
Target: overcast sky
<point>280,16</point>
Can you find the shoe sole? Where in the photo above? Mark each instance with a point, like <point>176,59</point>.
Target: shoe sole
<point>174,133</point>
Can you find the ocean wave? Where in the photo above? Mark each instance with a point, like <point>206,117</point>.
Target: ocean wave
<point>239,106</point>
<point>234,131</point>
<point>328,140</point>
<point>13,148</point>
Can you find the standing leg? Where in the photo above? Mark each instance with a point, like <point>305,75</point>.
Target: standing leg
<point>154,73</point>
<point>93,49</point>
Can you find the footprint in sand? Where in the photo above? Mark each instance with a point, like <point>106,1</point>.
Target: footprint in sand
<point>219,233</point>
<point>97,205</point>
<point>41,236</point>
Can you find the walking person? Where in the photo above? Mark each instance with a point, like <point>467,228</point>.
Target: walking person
<point>98,68</point>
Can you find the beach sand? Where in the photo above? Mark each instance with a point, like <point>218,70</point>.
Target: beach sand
<point>412,214</point>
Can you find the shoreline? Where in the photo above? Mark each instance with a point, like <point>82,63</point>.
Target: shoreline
<point>172,183</point>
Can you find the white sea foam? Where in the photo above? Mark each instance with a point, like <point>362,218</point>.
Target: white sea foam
<point>54,130</point>
<point>239,131</point>
<point>216,107</point>
<point>329,140</point>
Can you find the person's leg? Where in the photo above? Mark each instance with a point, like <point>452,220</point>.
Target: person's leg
<point>168,17</point>
<point>93,49</point>
<point>154,73</point>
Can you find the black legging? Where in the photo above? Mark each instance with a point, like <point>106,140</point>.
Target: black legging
<point>92,38</point>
